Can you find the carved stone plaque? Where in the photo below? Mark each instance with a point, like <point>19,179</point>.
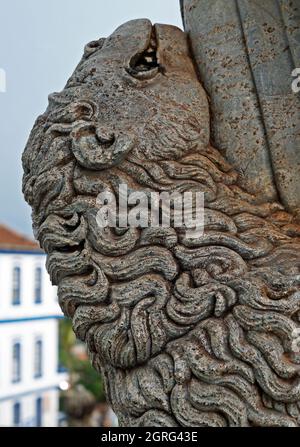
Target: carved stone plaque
<point>186,331</point>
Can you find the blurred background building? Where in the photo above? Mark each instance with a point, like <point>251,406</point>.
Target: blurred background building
<point>29,375</point>
<point>46,378</point>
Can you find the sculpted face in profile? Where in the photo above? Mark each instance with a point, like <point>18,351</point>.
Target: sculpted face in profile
<point>186,332</point>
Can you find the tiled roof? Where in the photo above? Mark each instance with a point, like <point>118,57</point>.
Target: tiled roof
<point>11,240</point>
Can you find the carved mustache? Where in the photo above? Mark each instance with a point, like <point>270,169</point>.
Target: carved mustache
<point>98,149</point>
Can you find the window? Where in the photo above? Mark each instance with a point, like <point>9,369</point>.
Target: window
<point>16,286</point>
<point>16,362</point>
<point>38,358</point>
<point>38,411</point>
<point>16,414</point>
<point>38,285</point>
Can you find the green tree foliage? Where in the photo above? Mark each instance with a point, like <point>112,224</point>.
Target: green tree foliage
<point>80,370</point>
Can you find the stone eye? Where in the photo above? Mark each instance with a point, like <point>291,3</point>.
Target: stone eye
<point>145,65</point>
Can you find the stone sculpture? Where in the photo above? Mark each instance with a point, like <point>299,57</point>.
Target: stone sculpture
<point>185,332</point>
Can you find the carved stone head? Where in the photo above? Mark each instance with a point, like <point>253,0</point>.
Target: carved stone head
<point>185,331</point>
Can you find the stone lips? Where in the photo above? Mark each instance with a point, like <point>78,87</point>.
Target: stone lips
<point>186,332</point>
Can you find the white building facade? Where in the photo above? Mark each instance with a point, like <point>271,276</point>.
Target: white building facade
<point>29,343</point>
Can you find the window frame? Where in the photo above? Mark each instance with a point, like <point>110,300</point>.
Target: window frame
<point>39,402</point>
<point>38,350</point>
<point>17,405</point>
<point>16,286</point>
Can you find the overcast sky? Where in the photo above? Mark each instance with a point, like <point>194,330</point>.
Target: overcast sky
<point>41,42</point>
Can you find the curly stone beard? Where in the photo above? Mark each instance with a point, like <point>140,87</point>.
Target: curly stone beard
<point>186,332</point>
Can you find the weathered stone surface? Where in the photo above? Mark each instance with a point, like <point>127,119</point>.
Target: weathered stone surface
<point>245,52</point>
<point>186,332</point>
